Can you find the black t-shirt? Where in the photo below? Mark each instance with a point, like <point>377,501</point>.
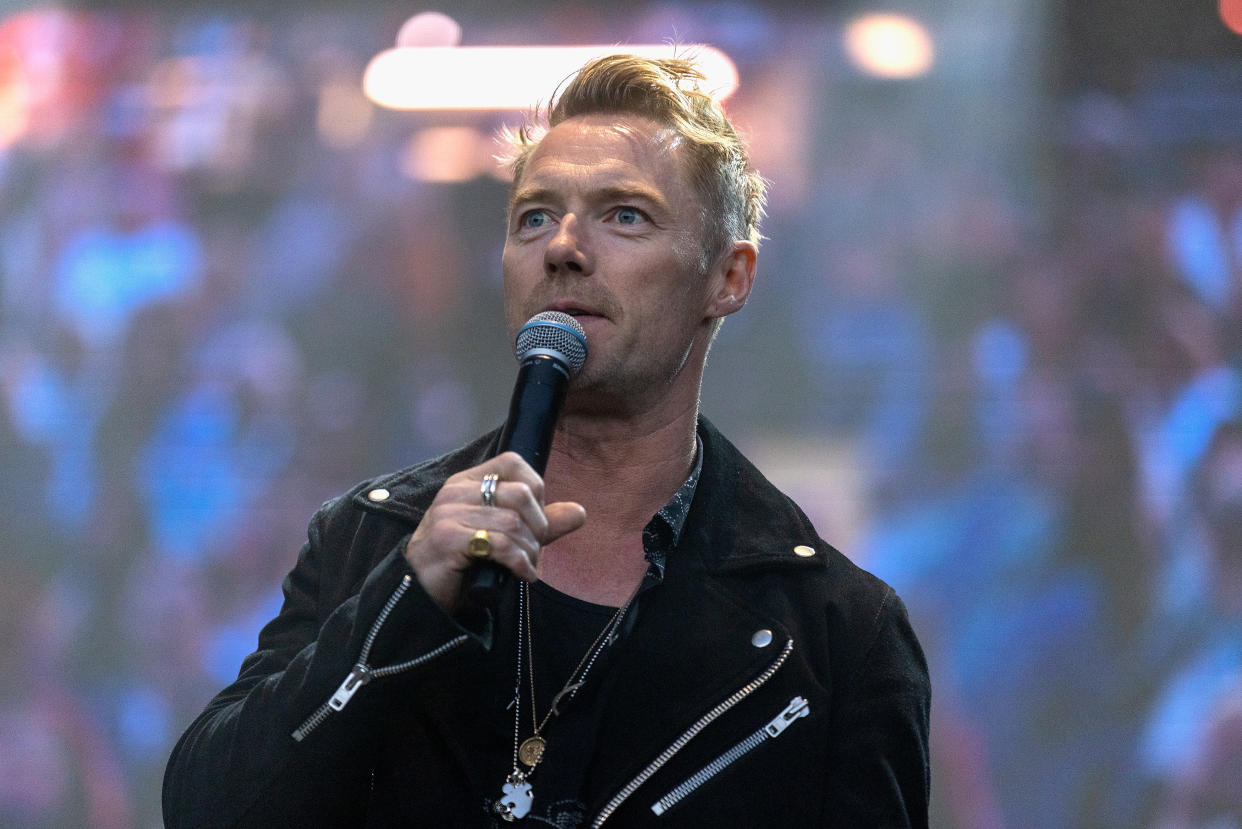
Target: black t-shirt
<point>563,629</point>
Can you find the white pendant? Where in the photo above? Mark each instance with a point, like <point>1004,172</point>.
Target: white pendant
<point>515,800</point>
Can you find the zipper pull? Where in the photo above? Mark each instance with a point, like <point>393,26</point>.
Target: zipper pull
<point>360,675</point>
<point>798,707</point>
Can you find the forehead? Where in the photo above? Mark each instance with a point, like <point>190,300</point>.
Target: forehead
<point>606,150</point>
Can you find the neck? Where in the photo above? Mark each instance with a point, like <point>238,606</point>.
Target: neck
<point>622,469</point>
<point>627,466</point>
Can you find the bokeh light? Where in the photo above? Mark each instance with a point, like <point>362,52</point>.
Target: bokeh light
<point>889,46</point>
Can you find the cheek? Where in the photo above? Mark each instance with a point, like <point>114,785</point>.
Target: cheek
<point>513,294</point>
<point>515,267</point>
<point>508,262</point>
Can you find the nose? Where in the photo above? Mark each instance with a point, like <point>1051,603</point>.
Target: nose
<point>567,251</point>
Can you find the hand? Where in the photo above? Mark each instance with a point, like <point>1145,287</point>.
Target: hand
<point>518,525</point>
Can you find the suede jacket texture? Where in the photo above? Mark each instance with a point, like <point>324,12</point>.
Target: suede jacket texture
<point>767,682</point>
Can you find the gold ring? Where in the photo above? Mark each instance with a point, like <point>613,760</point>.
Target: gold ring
<point>480,546</point>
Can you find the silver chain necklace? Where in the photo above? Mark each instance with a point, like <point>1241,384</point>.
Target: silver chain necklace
<point>517,793</point>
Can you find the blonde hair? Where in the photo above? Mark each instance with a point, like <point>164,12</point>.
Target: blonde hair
<point>666,91</point>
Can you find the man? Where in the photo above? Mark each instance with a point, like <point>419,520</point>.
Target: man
<point>678,646</point>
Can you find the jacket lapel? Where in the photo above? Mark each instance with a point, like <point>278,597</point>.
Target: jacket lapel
<point>698,641</point>
<point>669,673</point>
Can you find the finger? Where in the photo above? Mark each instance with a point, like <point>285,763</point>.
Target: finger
<point>455,519</point>
<point>508,522</point>
<point>563,518</point>
<point>505,550</point>
<point>517,497</point>
<point>511,467</point>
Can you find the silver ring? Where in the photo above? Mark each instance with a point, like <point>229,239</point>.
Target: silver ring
<point>487,489</point>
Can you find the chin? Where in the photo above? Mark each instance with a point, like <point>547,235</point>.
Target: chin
<point>591,394</point>
<point>588,391</point>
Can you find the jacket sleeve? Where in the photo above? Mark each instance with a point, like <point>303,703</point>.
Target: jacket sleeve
<point>238,764</point>
<point>879,771</point>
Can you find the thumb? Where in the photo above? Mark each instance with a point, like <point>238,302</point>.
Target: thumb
<point>563,518</point>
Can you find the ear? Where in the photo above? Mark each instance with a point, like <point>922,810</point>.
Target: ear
<point>734,276</point>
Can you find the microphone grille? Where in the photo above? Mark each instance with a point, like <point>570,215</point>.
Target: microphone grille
<point>555,333</point>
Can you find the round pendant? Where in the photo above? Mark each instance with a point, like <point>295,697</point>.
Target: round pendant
<point>531,750</point>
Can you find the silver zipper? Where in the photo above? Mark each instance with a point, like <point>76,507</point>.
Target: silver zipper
<point>690,733</point>
<point>797,708</point>
<point>362,673</point>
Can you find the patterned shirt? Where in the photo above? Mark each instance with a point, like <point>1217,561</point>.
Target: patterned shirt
<point>663,531</point>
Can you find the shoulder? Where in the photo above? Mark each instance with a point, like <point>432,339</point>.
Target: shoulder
<point>406,493</point>
<point>349,535</point>
<point>748,527</point>
<point>751,521</point>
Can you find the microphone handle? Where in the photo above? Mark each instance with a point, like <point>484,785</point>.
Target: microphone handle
<point>533,410</point>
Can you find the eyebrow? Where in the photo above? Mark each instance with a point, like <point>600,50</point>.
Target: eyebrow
<point>610,193</point>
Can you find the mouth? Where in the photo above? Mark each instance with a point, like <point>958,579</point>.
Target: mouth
<point>573,310</point>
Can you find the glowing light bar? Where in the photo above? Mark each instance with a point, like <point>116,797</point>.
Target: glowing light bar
<point>508,77</point>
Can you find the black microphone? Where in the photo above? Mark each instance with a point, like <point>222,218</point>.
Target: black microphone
<point>551,349</point>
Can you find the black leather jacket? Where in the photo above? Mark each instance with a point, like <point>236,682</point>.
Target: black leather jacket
<point>758,686</point>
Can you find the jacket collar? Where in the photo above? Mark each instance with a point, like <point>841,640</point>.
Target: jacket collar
<point>738,519</point>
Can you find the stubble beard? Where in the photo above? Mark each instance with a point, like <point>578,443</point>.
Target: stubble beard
<point>621,392</point>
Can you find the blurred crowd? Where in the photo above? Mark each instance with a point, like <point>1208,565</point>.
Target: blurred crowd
<point>220,305</point>
<point>1070,536</point>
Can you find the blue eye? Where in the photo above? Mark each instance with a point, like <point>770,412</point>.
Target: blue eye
<point>629,215</point>
<point>534,219</point>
